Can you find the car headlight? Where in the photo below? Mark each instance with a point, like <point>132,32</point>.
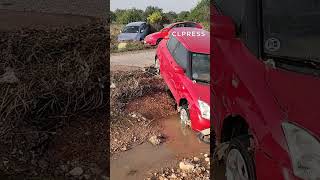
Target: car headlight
<point>304,151</point>
<point>204,109</point>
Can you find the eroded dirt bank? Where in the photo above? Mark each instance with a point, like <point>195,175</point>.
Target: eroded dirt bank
<point>146,139</point>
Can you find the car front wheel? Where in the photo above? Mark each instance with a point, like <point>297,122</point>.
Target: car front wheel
<point>157,66</point>
<point>185,119</point>
<point>237,163</point>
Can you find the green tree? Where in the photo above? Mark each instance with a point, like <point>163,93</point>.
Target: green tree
<point>170,17</point>
<point>183,16</point>
<point>201,13</point>
<point>155,17</point>
<point>130,15</point>
<point>151,9</point>
<point>112,16</point>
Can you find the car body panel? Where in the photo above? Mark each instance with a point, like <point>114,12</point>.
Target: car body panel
<point>182,87</point>
<point>265,97</point>
<point>153,38</point>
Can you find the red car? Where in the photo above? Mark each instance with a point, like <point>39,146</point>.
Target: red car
<point>154,38</point>
<point>184,64</point>
<point>265,83</point>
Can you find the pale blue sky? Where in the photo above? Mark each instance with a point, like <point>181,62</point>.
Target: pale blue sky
<point>166,5</point>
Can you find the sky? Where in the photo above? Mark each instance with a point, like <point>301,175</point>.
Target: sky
<point>166,5</point>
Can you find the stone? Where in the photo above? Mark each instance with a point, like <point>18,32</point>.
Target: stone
<point>155,140</point>
<point>196,159</point>
<point>186,166</point>
<point>77,171</point>
<point>64,168</point>
<point>207,159</point>
<point>112,86</point>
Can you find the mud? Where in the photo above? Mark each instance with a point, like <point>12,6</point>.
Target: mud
<point>141,161</point>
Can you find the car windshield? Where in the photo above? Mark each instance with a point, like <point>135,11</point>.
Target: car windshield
<point>201,67</point>
<point>130,29</point>
<point>291,29</point>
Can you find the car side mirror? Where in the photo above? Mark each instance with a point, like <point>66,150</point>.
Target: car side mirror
<point>178,70</point>
<point>223,27</point>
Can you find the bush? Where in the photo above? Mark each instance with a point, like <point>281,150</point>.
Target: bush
<point>155,17</point>
<point>130,15</point>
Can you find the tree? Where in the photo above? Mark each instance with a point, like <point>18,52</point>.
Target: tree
<point>170,17</point>
<point>112,16</point>
<point>155,17</point>
<point>151,9</point>
<point>130,15</point>
<point>201,12</point>
<point>183,16</point>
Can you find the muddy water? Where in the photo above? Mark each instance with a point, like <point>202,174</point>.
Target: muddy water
<point>138,162</point>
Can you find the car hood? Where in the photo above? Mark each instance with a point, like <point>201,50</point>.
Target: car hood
<point>154,35</point>
<point>127,36</point>
<point>298,95</point>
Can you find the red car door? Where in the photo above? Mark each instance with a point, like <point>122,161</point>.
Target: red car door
<point>178,62</point>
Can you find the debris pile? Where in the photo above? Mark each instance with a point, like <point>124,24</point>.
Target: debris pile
<point>138,100</point>
<point>196,168</point>
<point>47,77</point>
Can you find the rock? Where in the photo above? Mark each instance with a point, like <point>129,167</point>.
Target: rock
<point>133,115</point>
<point>196,159</point>
<point>112,85</point>
<point>184,174</point>
<point>207,159</point>
<point>124,148</point>
<point>64,168</point>
<point>155,140</point>
<point>205,155</point>
<point>77,171</point>
<point>172,176</point>
<point>186,166</point>
<point>43,164</point>
<point>86,176</point>
<point>105,178</point>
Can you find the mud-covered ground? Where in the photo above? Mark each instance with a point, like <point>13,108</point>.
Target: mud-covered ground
<point>145,139</point>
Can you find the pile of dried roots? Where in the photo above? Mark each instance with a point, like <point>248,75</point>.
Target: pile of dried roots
<point>128,86</point>
<point>48,75</point>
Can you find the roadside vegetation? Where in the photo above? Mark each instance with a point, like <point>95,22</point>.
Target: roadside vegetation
<point>157,18</point>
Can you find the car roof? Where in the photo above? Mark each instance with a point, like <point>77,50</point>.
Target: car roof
<point>197,44</point>
<point>135,23</point>
<point>181,22</point>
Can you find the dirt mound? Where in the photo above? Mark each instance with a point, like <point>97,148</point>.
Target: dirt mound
<point>47,79</point>
<point>57,73</point>
<point>138,100</point>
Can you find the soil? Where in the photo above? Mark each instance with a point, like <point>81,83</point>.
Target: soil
<point>141,108</point>
<point>80,143</point>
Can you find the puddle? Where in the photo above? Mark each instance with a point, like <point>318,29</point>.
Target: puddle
<point>138,162</point>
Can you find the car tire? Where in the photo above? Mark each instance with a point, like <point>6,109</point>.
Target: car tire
<point>185,119</point>
<point>157,66</point>
<point>238,149</point>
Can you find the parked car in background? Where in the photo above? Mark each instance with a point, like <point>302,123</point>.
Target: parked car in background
<point>265,87</point>
<point>134,31</point>
<point>154,38</point>
<point>184,64</point>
